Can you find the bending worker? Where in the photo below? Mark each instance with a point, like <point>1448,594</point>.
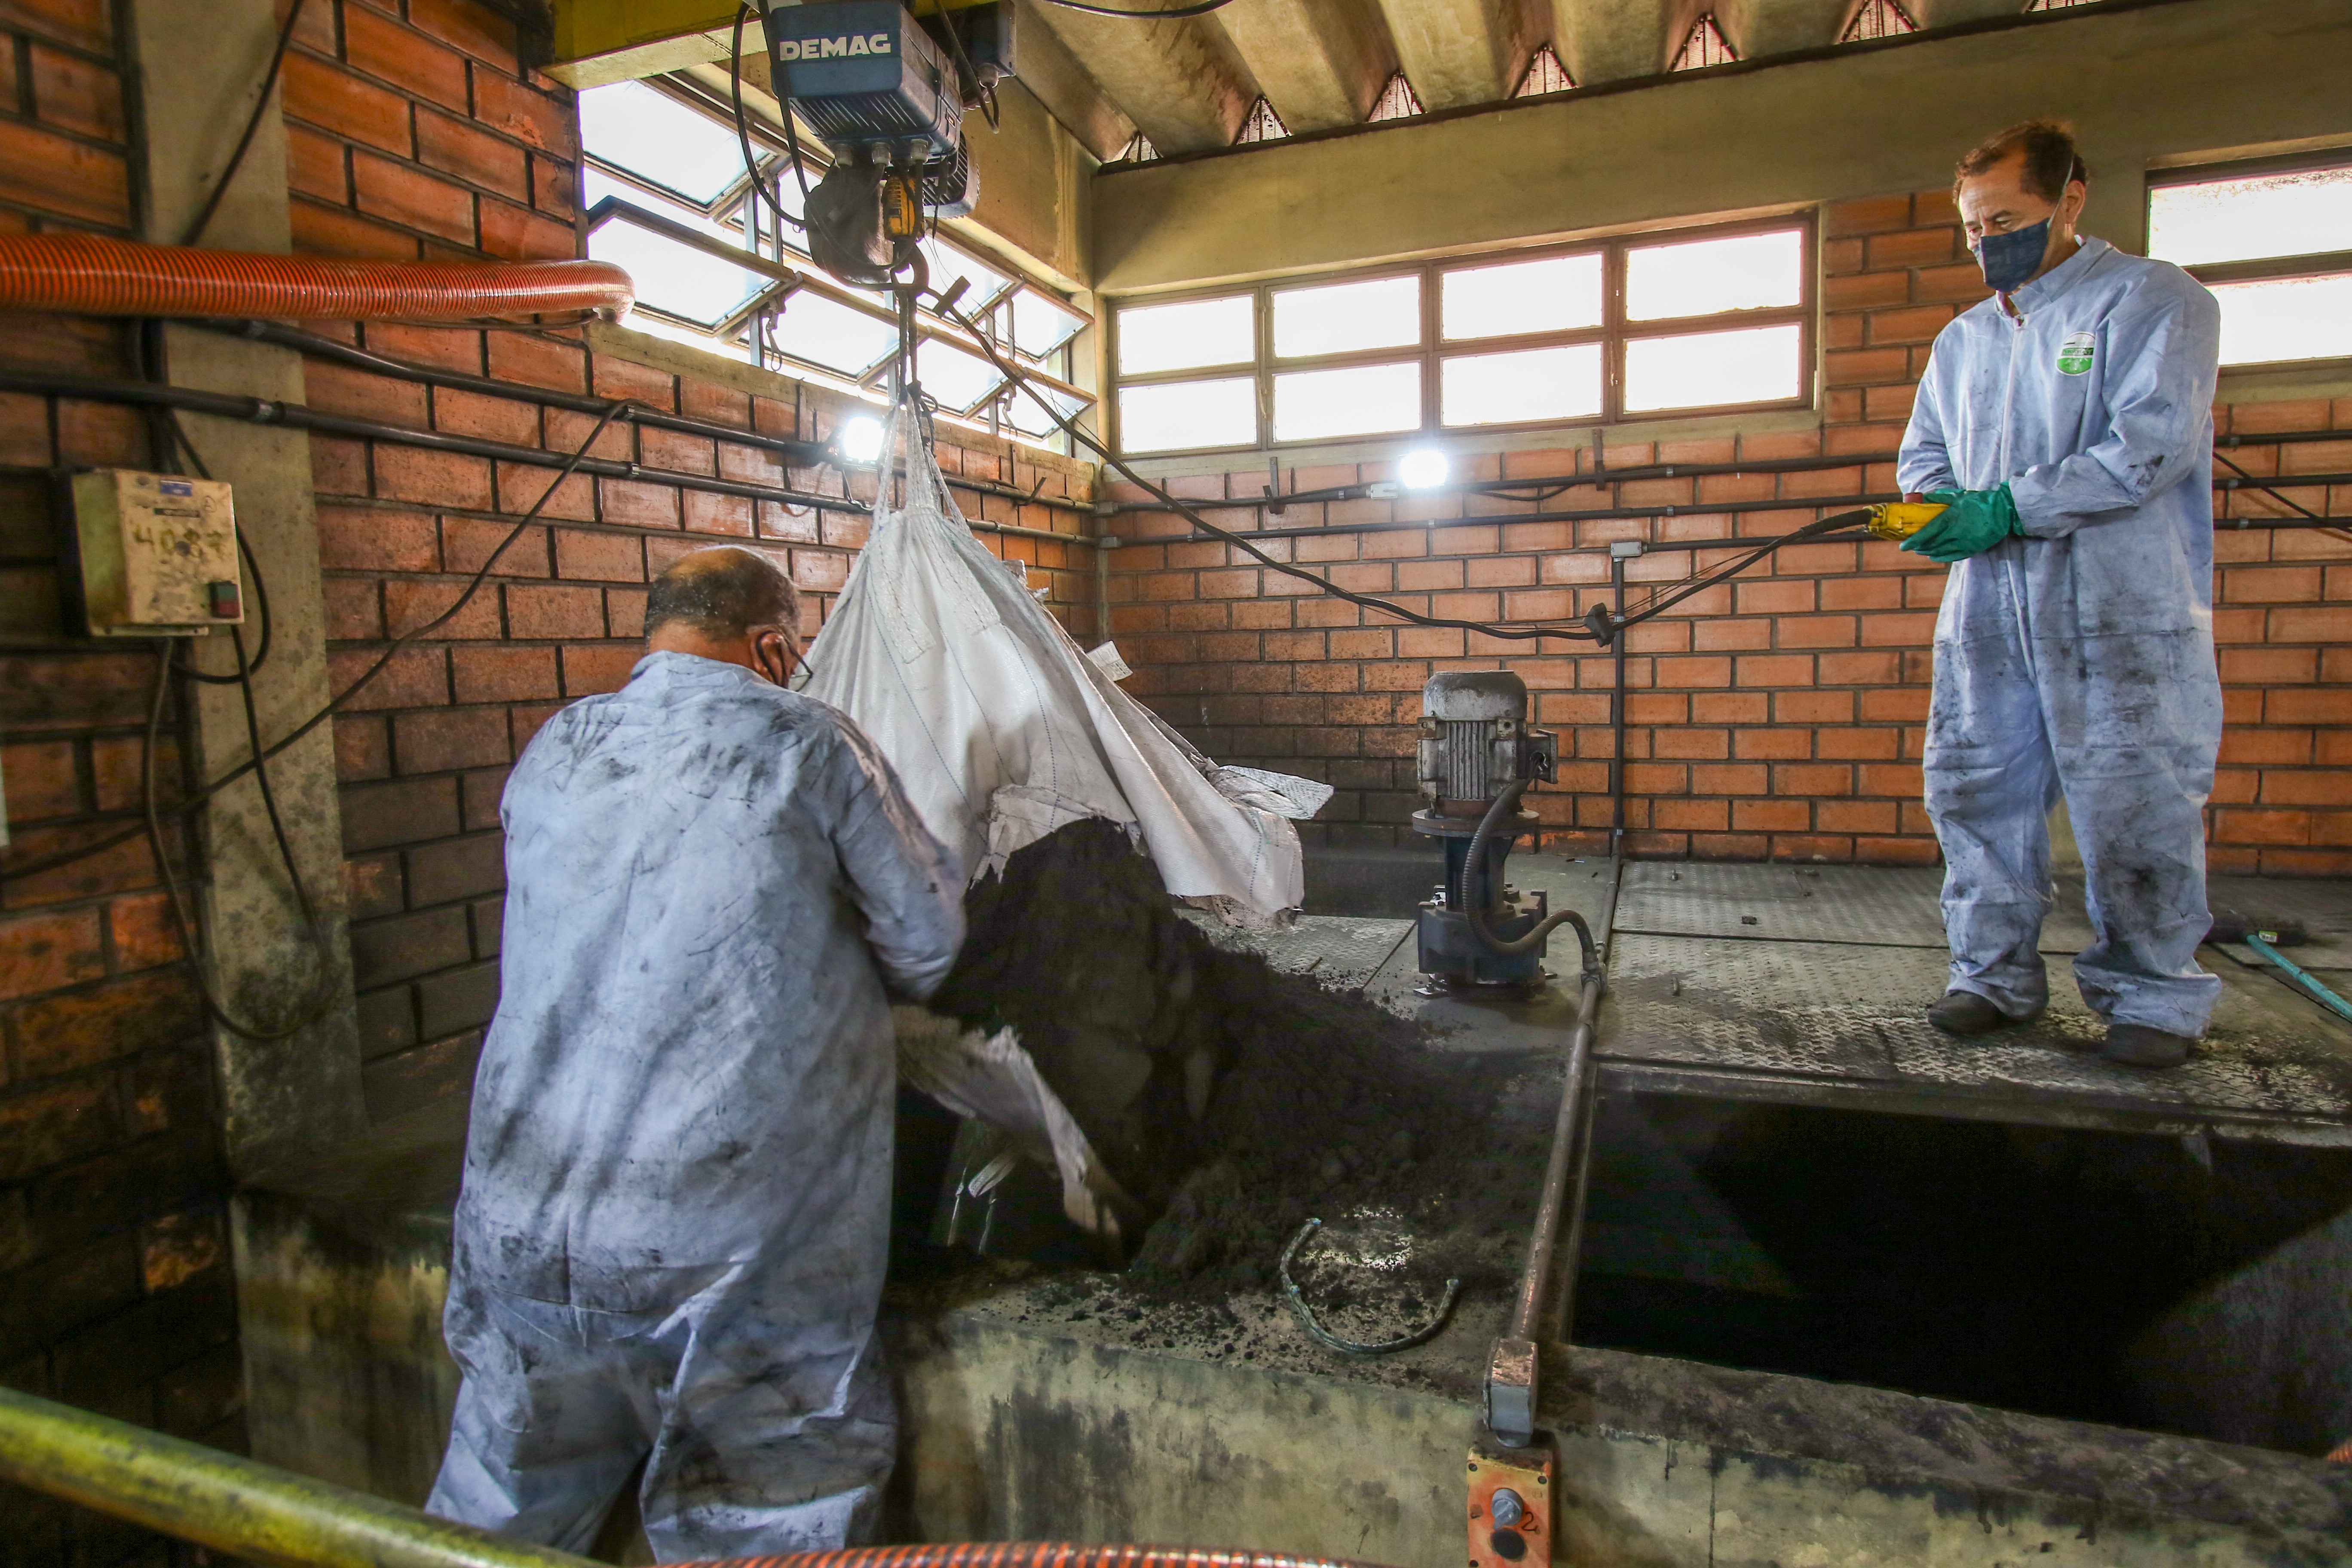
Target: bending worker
<point>670,1243</point>
<point>2068,422</point>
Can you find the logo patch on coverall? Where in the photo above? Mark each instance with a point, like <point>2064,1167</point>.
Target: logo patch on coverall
<point>2074,355</point>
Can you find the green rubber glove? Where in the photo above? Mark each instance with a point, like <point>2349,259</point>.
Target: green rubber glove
<point>1972,522</point>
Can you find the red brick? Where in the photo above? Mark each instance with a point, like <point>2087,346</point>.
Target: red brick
<point>540,362</point>
<point>1868,214</point>
<point>417,677</point>
<point>45,951</point>
<point>554,613</point>
<point>99,434</point>
<point>145,932</point>
<point>82,1029</point>
<point>508,674</point>
<point>409,605</point>
<point>445,739</point>
<point>53,1125</point>
<point>1914,324</point>
<point>588,670</point>
<point>401,193</point>
<point>518,234</point>
<point>415,64</point>
<point>1961,283</point>
<point>639,504</point>
<point>2309,706</point>
<point>74,95</point>
<point>599,557</point>
<point>443,479</point>
<point>515,110</point>
<point>339,389</point>
<point>56,173</point>
<point>333,232</point>
<point>2235,826</point>
<point>474,28</point>
<point>43,780</point>
<point>1857,367</point>
<point>554,187</point>
<point>337,102</point>
<point>494,418</point>
<point>1913,248</point>
<point>467,543</point>
<point>1860,290</point>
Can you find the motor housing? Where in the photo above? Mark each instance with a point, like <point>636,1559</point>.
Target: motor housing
<point>1475,743</point>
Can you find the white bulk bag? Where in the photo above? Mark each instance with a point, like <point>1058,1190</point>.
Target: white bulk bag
<point>1002,730</point>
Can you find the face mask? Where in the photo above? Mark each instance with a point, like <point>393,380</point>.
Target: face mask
<point>2009,260</point>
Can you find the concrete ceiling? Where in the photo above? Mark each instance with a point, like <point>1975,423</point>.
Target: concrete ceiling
<point>1188,84</point>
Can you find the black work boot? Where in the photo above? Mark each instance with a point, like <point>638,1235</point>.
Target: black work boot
<point>2139,1045</point>
<point>1966,1013</point>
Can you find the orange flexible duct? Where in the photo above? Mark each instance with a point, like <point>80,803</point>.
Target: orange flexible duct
<point>1026,1554</point>
<point>90,275</point>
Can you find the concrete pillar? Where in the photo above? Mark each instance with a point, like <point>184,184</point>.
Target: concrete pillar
<point>195,69</point>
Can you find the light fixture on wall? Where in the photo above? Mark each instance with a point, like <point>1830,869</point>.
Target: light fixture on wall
<point>858,442</point>
<point>1424,469</point>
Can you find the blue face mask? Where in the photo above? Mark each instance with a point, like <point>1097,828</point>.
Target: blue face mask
<point>2009,260</point>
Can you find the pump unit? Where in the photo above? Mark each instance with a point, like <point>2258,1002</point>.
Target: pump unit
<point>1476,756</point>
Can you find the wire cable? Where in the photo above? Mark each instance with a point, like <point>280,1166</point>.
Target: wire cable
<point>2281,498</point>
<point>245,552</point>
<point>743,127</point>
<point>1200,9</point>
<point>252,124</point>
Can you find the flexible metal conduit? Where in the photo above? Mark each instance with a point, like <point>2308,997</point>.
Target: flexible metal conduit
<point>296,416</point>
<point>255,1511</point>
<point>91,275</point>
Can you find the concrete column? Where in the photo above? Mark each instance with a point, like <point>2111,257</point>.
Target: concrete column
<point>194,71</point>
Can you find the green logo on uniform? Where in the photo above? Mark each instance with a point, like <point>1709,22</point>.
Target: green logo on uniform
<point>2074,355</point>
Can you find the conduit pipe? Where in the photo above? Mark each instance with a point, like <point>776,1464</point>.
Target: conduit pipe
<point>91,275</point>
<point>250,1509</point>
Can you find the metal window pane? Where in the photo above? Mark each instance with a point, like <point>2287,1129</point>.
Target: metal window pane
<point>957,379</point>
<point>2299,214</point>
<point>676,277</point>
<point>1556,294</point>
<point>1356,400</point>
<point>1176,415</point>
<point>660,139</point>
<point>1342,317</point>
<point>2274,319</point>
<point>826,332</point>
<point>1521,386</point>
<point>947,264</point>
<point>1188,335</point>
<point>1702,370</point>
<point>1021,412</point>
<point>1041,325</point>
<point>1700,277</point>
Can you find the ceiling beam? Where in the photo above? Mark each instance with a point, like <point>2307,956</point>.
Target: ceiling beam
<point>1182,82</point>
<point>1618,41</point>
<point>1758,30</point>
<point>1051,72</point>
<point>1454,52</point>
<point>1952,13</point>
<point>1321,63</point>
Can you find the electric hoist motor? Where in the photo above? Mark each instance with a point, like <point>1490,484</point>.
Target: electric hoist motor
<point>1476,756</point>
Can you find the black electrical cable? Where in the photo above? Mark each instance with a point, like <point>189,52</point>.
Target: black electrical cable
<point>342,699</point>
<point>743,131</point>
<point>252,124</point>
<point>1200,9</point>
<point>2285,501</point>
<point>245,552</point>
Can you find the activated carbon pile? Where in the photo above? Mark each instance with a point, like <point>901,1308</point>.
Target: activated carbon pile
<point>1234,1103</point>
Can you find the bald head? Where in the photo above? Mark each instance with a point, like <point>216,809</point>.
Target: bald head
<point>726,604</point>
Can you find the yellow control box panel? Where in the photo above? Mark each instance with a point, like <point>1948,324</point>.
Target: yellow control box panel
<point>158,553</point>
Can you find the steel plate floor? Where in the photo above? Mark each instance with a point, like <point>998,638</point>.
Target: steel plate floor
<point>1806,985</point>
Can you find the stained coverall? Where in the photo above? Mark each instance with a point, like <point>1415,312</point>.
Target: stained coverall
<point>2076,658</point>
<point>671,1238</point>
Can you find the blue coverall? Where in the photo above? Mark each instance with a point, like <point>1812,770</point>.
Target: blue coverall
<point>671,1238</point>
<point>2077,659</point>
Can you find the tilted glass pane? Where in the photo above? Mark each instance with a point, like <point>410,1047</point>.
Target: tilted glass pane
<point>1528,385</point>
<point>957,378</point>
<point>1179,413</point>
<point>2299,214</point>
<point>947,264</point>
<point>1021,411</point>
<point>826,332</point>
<point>1702,370</point>
<point>2286,318</point>
<point>1556,294</point>
<point>660,139</point>
<point>1181,337</point>
<point>674,277</point>
<point>1359,400</point>
<point>1699,277</point>
<point>1340,318</point>
<point>1041,325</point>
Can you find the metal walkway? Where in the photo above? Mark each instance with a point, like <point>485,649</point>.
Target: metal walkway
<point>1806,985</point>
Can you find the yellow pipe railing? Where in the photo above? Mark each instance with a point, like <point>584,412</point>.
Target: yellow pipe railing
<point>237,1506</point>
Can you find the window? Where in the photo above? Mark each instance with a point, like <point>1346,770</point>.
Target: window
<point>2273,241</point>
<point>1697,321</point>
<point>669,199</point>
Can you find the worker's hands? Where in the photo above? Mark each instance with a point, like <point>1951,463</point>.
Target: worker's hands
<point>1972,522</point>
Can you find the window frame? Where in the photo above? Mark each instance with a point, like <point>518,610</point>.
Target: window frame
<point>1613,334</point>
<point>2310,264</point>
<point>772,253</point>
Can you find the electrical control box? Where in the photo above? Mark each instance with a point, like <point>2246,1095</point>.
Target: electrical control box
<point>158,553</point>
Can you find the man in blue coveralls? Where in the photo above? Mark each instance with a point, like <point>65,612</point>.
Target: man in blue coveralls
<point>2067,422</point>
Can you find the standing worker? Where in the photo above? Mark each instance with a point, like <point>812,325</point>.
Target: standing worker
<point>2067,422</point>
<point>670,1243</point>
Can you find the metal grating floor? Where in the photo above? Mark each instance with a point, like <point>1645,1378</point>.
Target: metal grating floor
<point>1809,985</point>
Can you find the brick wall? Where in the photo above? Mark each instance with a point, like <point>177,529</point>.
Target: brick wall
<point>424,134</point>
<point>114,1284</point>
<point>1782,716</point>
